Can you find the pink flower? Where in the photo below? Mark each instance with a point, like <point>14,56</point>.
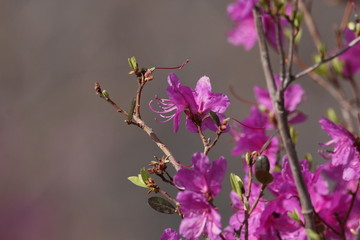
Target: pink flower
<point>170,234</point>
<point>351,57</point>
<point>252,139</point>
<point>195,103</point>
<point>293,95</point>
<point>200,217</point>
<point>205,178</point>
<point>346,149</point>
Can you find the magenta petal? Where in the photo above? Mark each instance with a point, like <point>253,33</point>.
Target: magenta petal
<point>190,180</point>
<point>216,175</point>
<point>201,162</point>
<point>293,97</point>
<point>263,97</point>
<point>170,234</point>
<point>244,34</point>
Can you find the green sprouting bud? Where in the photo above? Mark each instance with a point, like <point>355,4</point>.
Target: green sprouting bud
<point>237,184</point>
<point>322,69</point>
<point>313,235</point>
<point>309,158</point>
<point>294,215</point>
<point>247,157</point>
<point>132,63</point>
<point>293,134</point>
<point>298,37</point>
<point>105,94</point>
<point>322,50</point>
<point>331,115</point>
<point>131,110</point>
<point>298,19</point>
<point>351,26</point>
<point>338,66</point>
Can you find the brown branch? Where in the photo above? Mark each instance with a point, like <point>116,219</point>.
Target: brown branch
<point>315,66</point>
<point>330,88</point>
<point>278,102</point>
<point>141,124</point>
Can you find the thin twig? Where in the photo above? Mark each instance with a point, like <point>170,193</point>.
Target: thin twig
<point>278,102</point>
<point>141,124</point>
<point>315,66</point>
<point>332,90</point>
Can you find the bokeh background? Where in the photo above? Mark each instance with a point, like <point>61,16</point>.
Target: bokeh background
<point>65,154</point>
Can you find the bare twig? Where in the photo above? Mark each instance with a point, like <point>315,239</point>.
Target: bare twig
<point>315,66</point>
<point>278,102</point>
<point>141,124</point>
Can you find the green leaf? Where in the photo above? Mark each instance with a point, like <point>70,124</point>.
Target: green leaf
<point>215,118</point>
<point>338,66</point>
<point>137,181</point>
<point>132,63</point>
<point>161,205</point>
<point>236,184</point>
<point>105,94</point>
<point>293,134</point>
<point>331,115</point>
<point>144,175</point>
<point>131,110</point>
<point>294,215</point>
<point>313,235</point>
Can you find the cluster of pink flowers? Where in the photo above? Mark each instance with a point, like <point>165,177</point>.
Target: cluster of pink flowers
<point>199,185</point>
<point>333,186</point>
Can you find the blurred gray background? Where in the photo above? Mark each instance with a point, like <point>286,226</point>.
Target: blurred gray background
<point>65,154</point>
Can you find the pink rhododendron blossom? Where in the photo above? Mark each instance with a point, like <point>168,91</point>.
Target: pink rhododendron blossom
<point>244,33</point>
<point>205,178</point>
<point>200,185</point>
<point>236,220</point>
<point>195,103</point>
<point>170,234</point>
<point>275,221</point>
<point>200,217</point>
<point>293,96</point>
<point>346,152</point>
<point>351,57</point>
<point>252,139</point>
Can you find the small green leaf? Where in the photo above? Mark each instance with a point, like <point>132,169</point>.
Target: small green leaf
<point>294,215</point>
<point>331,115</point>
<point>131,110</point>
<point>161,205</point>
<point>236,184</point>
<point>313,235</point>
<point>323,69</point>
<point>144,175</point>
<point>293,134</point>
<point>132,63</point>
<point>215,118</point>
<point>309,158</point>
<point>105,94</point>
<point>247,157</point>
<point>338,66</point>
<point>137,181</point>
<point>351,26</point>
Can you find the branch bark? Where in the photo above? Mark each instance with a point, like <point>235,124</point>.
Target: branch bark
<point>277,97</point>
